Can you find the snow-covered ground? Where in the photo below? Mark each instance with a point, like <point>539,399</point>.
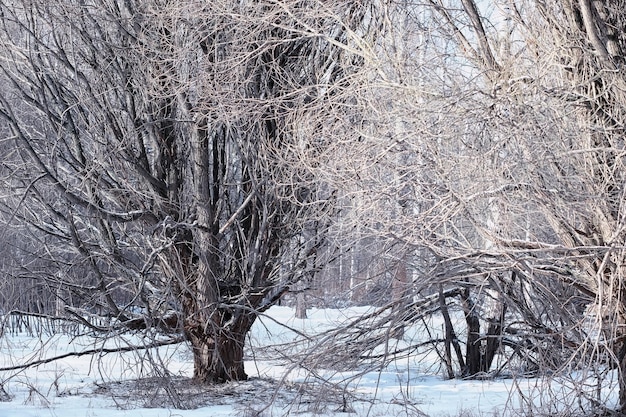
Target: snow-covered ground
<point>128,385</point>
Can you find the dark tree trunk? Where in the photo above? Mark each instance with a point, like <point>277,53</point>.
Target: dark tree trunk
<point>480,351</point>
<point>494,339</point>
<point>218,351</point>
<point>473,354</point>
<point>450,336</point>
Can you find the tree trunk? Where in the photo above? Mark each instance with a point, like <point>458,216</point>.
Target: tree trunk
<point>400,290</point>
<point>494,336</point>
<point>218,351</point>
<point>480,351</point>
<point>301,305</point>
<point>473,354</point>
<point>450,336</point>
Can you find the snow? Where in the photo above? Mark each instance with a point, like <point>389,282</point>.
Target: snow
<point>126,384</point>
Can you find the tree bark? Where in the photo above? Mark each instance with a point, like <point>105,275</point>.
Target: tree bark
<point>218,351</point>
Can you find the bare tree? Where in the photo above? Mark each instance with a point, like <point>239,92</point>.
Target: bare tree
<point>585,167</point>
<point>157,148</point>
<point>508,143</point>
<point>511,156</point>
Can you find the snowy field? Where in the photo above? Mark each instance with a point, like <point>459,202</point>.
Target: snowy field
<point>127,384</point>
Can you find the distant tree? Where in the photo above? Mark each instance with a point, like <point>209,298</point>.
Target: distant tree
<point>157,155</point>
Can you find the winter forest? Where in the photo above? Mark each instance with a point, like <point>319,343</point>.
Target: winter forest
<point>313,207</point>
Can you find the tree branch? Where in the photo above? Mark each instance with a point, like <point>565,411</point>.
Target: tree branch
<point>93,352</point>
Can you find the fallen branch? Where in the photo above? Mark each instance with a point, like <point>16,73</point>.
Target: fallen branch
<point>92,352</point>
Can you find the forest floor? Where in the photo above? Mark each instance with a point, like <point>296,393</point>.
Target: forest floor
<point>130,384</point>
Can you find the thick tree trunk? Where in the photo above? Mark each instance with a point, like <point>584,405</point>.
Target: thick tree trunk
<point>218,351</point>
